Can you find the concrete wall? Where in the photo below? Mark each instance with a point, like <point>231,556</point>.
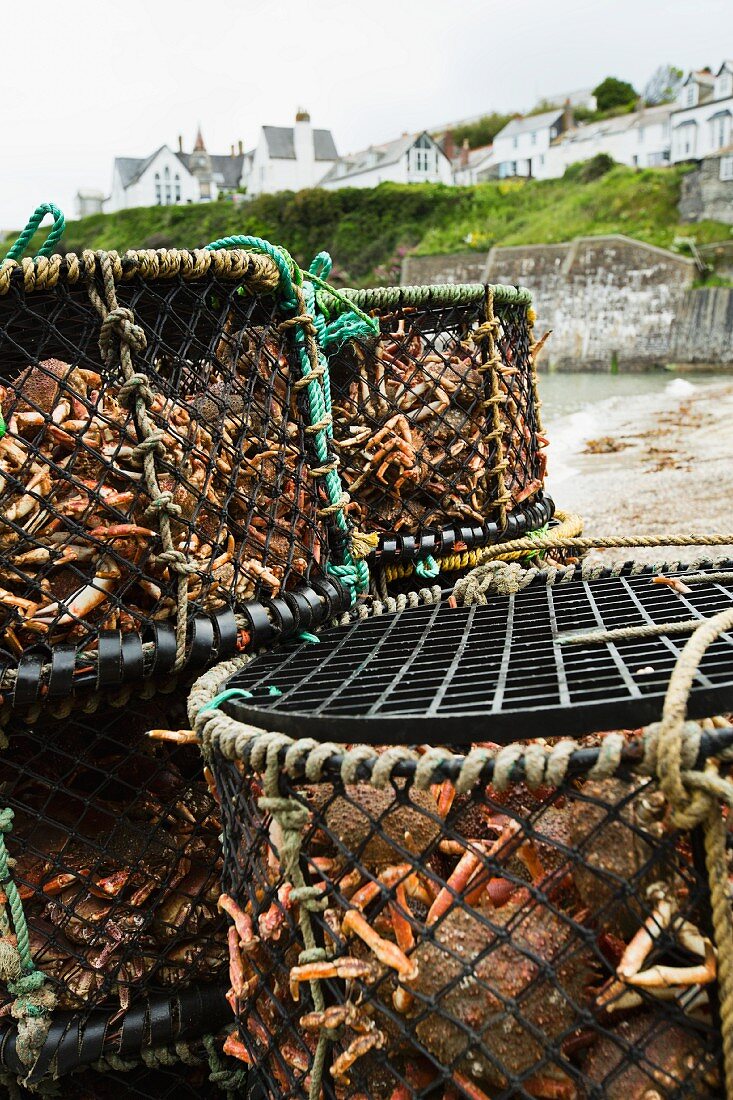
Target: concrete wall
<point>606,299</point>
<point>459,267</point>
<point>705,195</point>
<point>703,328</point>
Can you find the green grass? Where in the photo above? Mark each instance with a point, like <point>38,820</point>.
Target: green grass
<point>367,230</point>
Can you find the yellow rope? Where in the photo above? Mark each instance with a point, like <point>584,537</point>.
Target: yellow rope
<point>569,526</point>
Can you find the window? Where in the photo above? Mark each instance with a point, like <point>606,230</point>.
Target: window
<point>724,86</point>
<point>177,182</point>
<point>640,134</point>
<point>686,139</point>
<point>533,138</point>
<point>726,168</point>
<point>689,95</point>
<point>515,142</point>
<point>720,127</point>
<point>157,189</point>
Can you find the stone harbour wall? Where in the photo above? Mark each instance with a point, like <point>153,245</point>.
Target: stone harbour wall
<point>609,301</point>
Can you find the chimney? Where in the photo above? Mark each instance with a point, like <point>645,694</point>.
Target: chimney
<point>180,143</point>
<point>449,145</point>
<point>464,153</point>
<point>232,152</point>
<point>241,149</point>
<point>305,154</point>
<point>568,118</point>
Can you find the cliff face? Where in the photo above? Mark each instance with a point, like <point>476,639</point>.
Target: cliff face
<point>608,300</point>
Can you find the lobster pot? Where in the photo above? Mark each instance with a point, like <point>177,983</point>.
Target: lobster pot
<point>495,941</point>
<point>163,472</point>
<point>115,839</point>
<point>436,422</point>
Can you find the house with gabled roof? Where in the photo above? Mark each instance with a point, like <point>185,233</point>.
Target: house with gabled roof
<point>168,178</point>
<point>703,120</point>
<point>289,158</point>
<point>412,158</point>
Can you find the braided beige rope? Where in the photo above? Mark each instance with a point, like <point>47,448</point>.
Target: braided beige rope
<point>120,336</point>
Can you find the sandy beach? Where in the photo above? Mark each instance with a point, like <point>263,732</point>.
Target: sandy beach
<point>648,464</point>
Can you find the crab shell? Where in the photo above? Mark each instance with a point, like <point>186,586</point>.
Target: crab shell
<point>617,844</point>
<point>375,824</point>
<point>650,1058</point>
<point>463,995</point>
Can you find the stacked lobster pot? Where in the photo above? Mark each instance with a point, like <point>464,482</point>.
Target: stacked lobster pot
<point>202,456</point>
<point>437,427</point>
<point>157,514</point>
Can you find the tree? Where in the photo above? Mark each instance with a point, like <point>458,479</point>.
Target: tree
<point>663,85</point>
<point>612,92</point>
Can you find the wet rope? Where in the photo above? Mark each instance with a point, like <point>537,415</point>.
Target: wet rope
<point>55,234</point>
<point>307,322</point>
<point>34,999</point>
<point>119,338</point>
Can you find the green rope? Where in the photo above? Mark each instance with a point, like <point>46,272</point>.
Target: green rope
<point>11,892</point>
<point>539,533</point>
<point>230,693</point>
<point>427,567</point>
<point>55,234</point>
<point>353,572</point>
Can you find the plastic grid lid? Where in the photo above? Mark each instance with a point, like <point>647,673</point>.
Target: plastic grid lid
<point>499,672</point>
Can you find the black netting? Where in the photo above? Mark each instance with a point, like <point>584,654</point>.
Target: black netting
<point>547,943</point>
<point>80,545</point>
<point>117,860</point>
<point>420,443</point>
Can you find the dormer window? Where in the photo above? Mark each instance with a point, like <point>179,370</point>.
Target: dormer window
<point>724,85</point>
<point>689,94</point>
<point>423,155</point>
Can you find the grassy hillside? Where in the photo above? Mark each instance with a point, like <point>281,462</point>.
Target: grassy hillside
<point>367,231</point>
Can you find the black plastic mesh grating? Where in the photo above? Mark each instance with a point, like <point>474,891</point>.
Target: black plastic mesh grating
<point>499,671</point>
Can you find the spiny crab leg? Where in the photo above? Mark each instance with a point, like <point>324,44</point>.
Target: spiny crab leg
<point>234,1047</point>
<point>361,1045</point>
<point>388,953</point>
<point>345,968</point>
<point>242,921</point>
<point>667,977</point>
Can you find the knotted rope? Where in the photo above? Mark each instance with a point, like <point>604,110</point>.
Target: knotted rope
<point>34,998</point>
<point>306,320</point>
<point>120,337</point>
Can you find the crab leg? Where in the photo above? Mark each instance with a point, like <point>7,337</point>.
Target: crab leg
<point>345,968</point>
<point>389,954</point>
<point>361,1045</point>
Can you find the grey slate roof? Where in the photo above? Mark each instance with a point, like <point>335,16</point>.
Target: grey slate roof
<point>389,153</point>
<point>226,170</point>
<point>131,168</point>
<point>531,122</point>
<point>281,143</point>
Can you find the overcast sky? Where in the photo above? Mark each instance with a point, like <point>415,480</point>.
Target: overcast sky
<point>86,80</point>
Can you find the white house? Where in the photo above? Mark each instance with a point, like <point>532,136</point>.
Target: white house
<point>289,158</point>
<point>521,147</point>
<point>640,139</point>
<point>89,202</point>
<point>702,120</point>
<point>168,178</point>
<point>412,158</point>
<point>469,165</point>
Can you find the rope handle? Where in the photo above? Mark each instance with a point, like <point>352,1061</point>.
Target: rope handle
<point>55,233</point>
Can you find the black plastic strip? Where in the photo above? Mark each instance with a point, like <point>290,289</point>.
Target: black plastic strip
<point>286,620</point>
<point>28,676</point>
<point>63,665</point>
<point>132,657</point>
<point>302,607</point>
<point>226,629</point>
<point>164,647</point>
<point>201,648</point>
<point>260,628</point>
<point>109,658</point>
<point>393,547</point>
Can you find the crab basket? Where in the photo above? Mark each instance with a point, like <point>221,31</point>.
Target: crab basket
<point>155,470</point>
<point>112,946</point>
<point>437,422</point>
<point>425,925</point>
